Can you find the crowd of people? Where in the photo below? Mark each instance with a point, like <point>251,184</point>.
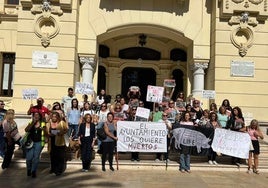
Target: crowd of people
<point>79,121</point>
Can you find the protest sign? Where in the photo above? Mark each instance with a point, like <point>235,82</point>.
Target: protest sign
<point>232,143</point>
<point>141,136</point>
<point>169,83</point>
<point>154,94</point>
<point>208,94</point>
<point>84,88</point>
<point>142,114</point>
<point>191,139</point>
<point>29,94</point>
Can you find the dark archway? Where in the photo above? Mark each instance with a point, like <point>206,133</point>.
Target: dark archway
<point>177,75</point>
<point>141,77</point>
<point>101,79</point>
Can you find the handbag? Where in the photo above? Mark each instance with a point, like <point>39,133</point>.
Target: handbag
<point>101,134</point>
<point>26,141</point>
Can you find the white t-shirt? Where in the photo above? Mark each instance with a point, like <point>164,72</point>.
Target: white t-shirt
<point>67,101</point>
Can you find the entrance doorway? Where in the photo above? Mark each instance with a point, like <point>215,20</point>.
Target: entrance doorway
<point>142,77</point>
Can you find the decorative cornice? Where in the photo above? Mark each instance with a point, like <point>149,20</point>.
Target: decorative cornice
<point>87,62</point>
<point>63,4</point>
<point>257,8</point>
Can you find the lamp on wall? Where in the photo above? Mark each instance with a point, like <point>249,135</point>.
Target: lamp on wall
<point>142,39</point>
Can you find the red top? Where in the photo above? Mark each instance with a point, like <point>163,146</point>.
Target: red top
<point>42,110</point>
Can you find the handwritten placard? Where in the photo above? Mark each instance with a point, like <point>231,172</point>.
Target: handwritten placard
<point>154,94</point>
<point>28,94</point>
<point>208,94</point>
<point>232,143</point>
<point>143,112</point>
<point>141,136</point>
<point>169,83</point>
<point>84,88</point>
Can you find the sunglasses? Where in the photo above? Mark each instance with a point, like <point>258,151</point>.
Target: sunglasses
<point>3,104</point>
<point>103,106</point>
<point>164,115</point>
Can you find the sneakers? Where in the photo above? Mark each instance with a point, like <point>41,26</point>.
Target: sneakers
<point>249,171</point>
<point>157,160</point>
<point>189,171</point>
<point>182,170</point>
<point>167,161</point>
<point>84,170</point>
<point>210,162</point>
<point>111,168</point>
<point>215,162</point>
<point>256,171</point>
<point>103,168</point>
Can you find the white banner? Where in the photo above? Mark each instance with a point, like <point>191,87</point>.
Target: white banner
<point>154,94</point>
<point>84,88</point>
<point>137,136</point>
<point>143,113</point>
<point>29,94</point>
<point>232,143</point>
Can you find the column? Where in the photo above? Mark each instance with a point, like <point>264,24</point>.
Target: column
<point>198,77</point>
<point>88,68</point>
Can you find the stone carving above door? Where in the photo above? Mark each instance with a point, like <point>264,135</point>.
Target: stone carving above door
<point>258,8</point>
<point>46,26</point>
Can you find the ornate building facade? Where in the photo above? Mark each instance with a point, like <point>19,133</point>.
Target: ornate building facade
<point>205,45</point>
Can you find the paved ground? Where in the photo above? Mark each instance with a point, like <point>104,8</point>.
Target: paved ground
<point>15,177</point>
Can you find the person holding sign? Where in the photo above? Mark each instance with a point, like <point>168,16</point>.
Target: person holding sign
<point>185,157</point>
<point>236,123</point>
<point>169,127</point>
<point>108,145</point>
<point>39,108</point>
<point>254,133</point>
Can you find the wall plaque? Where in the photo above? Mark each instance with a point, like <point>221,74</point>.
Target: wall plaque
<point>242,68</point>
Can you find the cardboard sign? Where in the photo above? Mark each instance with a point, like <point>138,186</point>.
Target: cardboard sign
<point>84,88</point>
<point>232,143</point>
<point>142,114</point>
<point>28,94</point>
<point>169,83</point>
<point>154,94</point>
<point>141,136</point>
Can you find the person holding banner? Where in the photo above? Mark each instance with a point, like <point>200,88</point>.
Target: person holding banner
<point>169,128</point>
<point>236,123</point>
<point>131,117</point>
<point>108,145</point>
<point>185,157</point>
<point>254,133</point>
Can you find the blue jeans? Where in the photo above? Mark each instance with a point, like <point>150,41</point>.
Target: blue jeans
<point>73,130</point>
<point>184,161</point>
<point>33,156</point>
<point>2,142</point>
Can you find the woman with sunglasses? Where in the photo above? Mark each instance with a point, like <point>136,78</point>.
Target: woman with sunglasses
<point>169,128</point>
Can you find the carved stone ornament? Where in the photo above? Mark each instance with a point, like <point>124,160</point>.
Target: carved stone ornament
<point>242,38</point>
<point>199,65</point>
<point>46,28</point>
<point>87,62</point>
<point>46,9</point>
<point>258,8</point>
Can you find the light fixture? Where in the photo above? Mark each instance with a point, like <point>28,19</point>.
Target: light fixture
<point>142,39</point>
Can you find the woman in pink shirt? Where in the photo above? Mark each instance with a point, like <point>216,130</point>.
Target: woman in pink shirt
<point>254,133</point>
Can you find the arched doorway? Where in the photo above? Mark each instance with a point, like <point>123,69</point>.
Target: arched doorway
<point>177,75</point>
<point>101,79</point>
<point>142,77</point>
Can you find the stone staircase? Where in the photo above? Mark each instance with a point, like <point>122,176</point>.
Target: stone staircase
<point>147,161</point>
